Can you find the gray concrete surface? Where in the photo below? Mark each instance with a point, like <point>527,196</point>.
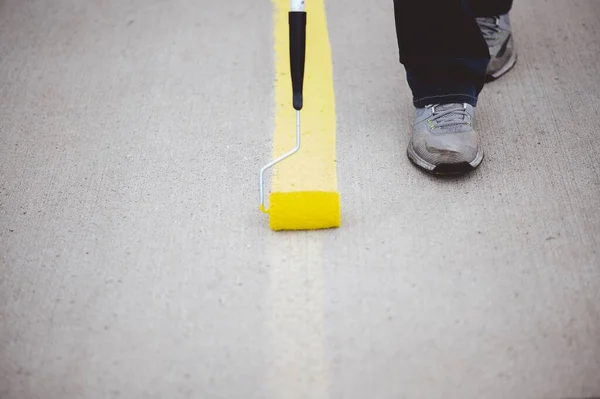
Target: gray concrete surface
<point>134,264</point>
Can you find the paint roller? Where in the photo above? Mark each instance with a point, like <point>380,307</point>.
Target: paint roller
<point>298,210</point>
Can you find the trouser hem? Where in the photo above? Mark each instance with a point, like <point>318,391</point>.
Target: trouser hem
<point>445,99</point>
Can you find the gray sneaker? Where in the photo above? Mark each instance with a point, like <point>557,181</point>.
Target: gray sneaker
<point>497,33</point>
<point>443,139</point>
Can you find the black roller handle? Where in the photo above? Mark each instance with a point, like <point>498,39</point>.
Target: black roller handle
<point>297,21</point>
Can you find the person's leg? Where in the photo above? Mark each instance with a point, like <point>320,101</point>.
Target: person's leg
<point>490,8</point>
<point>442,50</point>
<point>445,57</point>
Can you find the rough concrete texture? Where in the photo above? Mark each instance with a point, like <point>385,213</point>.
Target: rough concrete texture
<point>134,262</point>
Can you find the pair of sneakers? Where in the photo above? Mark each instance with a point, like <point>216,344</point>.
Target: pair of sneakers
<point>444,140</point>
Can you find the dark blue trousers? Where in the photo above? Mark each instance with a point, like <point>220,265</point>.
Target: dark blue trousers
<point>442,49</point>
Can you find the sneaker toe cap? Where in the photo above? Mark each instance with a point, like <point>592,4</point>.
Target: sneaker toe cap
<point>446,149</point>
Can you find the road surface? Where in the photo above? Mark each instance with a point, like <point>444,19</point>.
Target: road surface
<point>134,262</point>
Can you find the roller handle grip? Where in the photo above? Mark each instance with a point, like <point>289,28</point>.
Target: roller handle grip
<point>297,22</point>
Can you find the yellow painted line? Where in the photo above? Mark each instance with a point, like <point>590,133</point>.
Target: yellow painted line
<point>298,367</point>
<point>305,183</point>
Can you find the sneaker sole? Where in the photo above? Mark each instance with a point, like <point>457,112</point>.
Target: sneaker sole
<point>502,71</point>
<point>445,168</point>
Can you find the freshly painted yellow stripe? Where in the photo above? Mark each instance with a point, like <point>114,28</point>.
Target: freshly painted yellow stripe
<point>304,185</point>
<point>310,173</point>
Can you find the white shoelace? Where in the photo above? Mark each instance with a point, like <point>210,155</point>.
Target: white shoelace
<point>450,115</point>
